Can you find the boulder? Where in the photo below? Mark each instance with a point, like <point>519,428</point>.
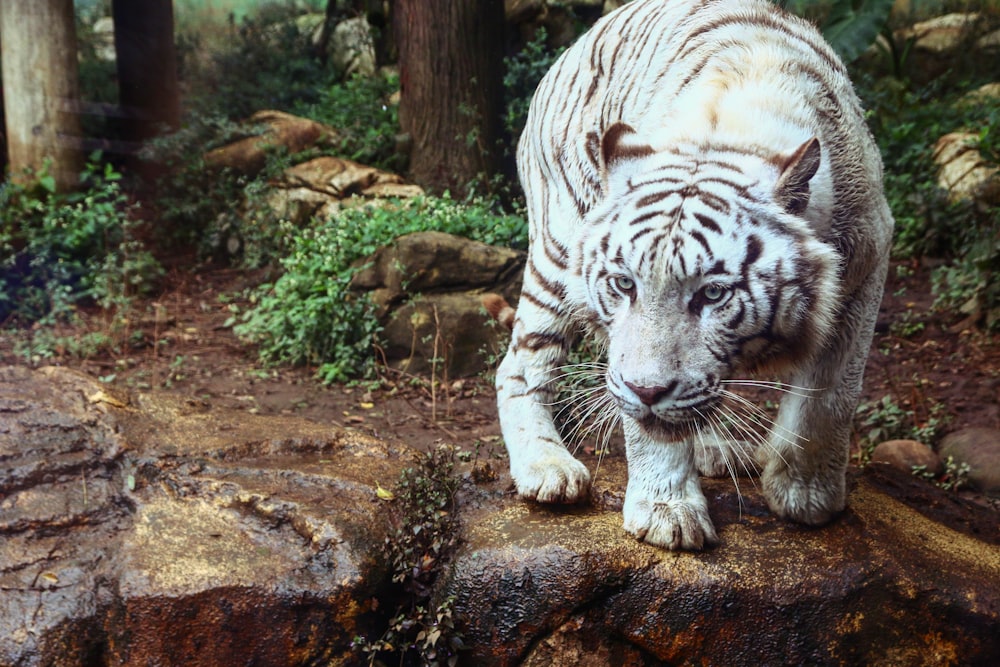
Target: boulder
<point>320,187</point>
<point>905,455</point>
<point>932,45</point>
<point>963,172</point>
<point>352,49</point>
<point>427,289</point>
<point>882,584</point>
<point>156,531</point>
<point>979,448</point>
<point>277,130</point>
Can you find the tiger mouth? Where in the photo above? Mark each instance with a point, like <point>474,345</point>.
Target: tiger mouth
<point>671,430</point>
<point>680,423</point>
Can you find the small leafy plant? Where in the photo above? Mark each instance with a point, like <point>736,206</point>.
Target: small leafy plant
<point>423,535</point>
<point>954,477</point>
<point>58,250</point>
<point>309,314</point>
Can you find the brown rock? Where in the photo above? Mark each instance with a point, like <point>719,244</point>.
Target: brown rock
<point>281,130</point>
<point>882,584</point>
<point>979,448</point>
<point>963,172</point>
<point>905,455</point>
<point>428,289</point>
<point>151,531</point>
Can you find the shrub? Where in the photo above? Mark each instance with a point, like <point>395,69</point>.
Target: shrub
<point>267,63</point>
<point>204,207</point>
<point>360,110</point>
<point>57,249</point>
<point>309,315</point>
<point>905,124</point>
<point>522,73</point>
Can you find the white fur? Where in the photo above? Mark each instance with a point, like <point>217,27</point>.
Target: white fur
<point>647,95</point>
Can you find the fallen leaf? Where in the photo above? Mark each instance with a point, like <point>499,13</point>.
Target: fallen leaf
<point>100,396</point>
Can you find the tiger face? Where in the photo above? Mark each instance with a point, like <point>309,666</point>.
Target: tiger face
<point>699,270</point>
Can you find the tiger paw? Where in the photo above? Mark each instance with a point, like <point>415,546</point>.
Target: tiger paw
<point>672,524</point>
<point>814,501</point>
<point>554,478</point>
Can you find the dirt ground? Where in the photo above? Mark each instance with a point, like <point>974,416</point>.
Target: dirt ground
<point>185,347</point>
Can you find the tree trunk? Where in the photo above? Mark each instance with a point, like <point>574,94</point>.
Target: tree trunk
<point>147,67</point>
<point>41,88</point>
<point>450,63</point>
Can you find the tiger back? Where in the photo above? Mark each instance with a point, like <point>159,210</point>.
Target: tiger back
<point>705,199</point>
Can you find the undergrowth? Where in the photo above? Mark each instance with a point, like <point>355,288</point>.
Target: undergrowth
<point>309,315</point>
<point>424,532</point>
<point>906,121</point>
<point>59,251</point>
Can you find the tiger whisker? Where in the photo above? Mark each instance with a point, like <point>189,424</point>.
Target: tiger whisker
<point>763,419</point>
<point>758,418</point>
<point>791,389</point>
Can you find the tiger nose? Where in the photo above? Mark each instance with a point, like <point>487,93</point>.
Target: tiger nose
<point>651,395</point>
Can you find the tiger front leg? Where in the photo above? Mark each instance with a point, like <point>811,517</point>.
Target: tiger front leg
<point>664,504</point>
<point>805,461</point>
<point>540,464</point>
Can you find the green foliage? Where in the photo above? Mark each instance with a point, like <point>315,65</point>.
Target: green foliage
<point>57,250</point>
<point>522,73</point>
<point>268,63</point>
<point>220,211</point>
<point>954,477</point>
<point>853,25</point>
<point>905,123</point>
<point>366,122</point>
<point>885,420</point>
<point>424,533</point>
<point>850,26</point>
<point>310,316</point>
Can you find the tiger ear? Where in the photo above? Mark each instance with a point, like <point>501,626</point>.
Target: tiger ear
<point>792,189</point>
<point>619,148</point>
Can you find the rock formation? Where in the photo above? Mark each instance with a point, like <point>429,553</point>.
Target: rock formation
<point>152,530</point>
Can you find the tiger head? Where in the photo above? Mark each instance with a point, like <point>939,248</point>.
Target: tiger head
<point>701,264</point>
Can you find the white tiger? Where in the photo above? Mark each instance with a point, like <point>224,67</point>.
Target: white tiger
<point>705,198</point>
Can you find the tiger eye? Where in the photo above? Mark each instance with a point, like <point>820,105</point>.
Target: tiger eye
<point>624,284</point>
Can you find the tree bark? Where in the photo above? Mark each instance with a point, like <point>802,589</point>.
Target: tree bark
<point>450,62</point>
<point>41,88</point>
<point>147,67</point>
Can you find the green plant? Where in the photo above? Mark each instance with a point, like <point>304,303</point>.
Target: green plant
<point>365,119</point>
<point>850,26</point>
<point>60,249</point>
<point>423,535</point>
<point>309,314</point>
<point>928,223</point>
<point>954,477</point>
<point>221,212</point>
<point>522,73</point>
<point>907,326</point>
<point>885,420</point>
<point>265,62</point>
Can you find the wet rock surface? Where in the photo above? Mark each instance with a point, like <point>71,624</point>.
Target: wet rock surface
<point>154,529</point>
<point>883,584</point>
<point>164,532</point>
